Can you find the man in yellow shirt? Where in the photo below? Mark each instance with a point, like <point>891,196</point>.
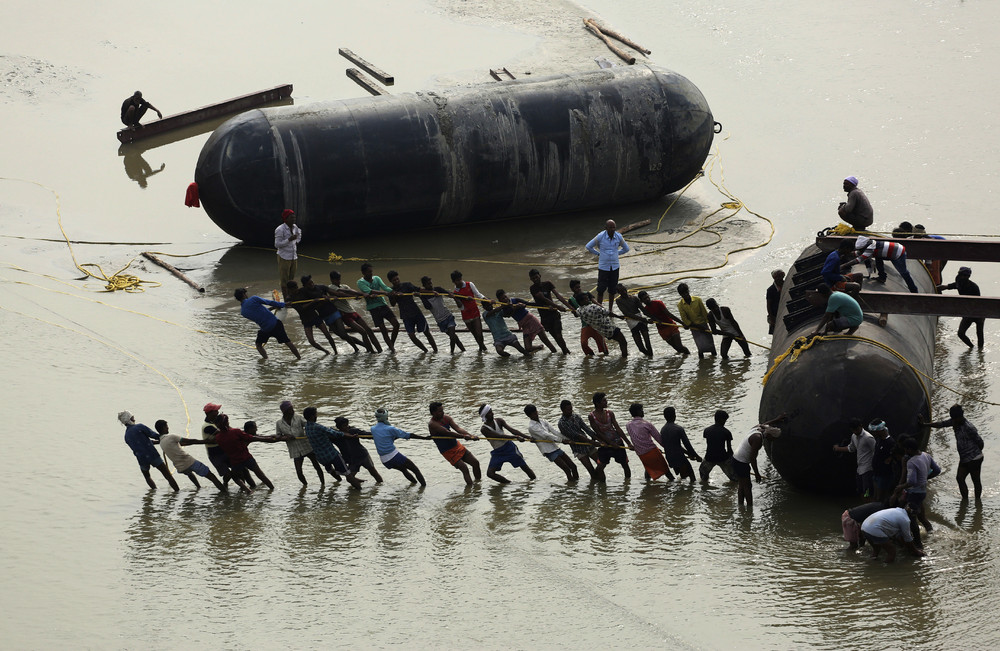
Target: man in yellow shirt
<point>694,317</point>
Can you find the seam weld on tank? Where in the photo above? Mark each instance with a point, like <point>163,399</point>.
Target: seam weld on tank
<point>834,381</point>
<point>490,151</point>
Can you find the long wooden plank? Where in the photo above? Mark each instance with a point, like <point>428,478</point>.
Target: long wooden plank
<point>928,249</point>
<point>178,120</point>
<point>370,68</point>
<point>365,82</point>
<point>975,307</point>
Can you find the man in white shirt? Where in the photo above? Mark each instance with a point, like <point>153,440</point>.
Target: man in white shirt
<point>885,527</point>
<point>185,464</point>
<point>546,437</point>
<point>863,444</point>
<point>286,240</point>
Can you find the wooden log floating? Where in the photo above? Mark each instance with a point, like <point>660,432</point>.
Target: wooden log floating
<point>634,225</point>
<point>172,269</point>
<point>974,307</point>
<point>234,105</point>
<point>366,82</point>
<point>615,35</point>
<point>621,54</point>
<point>918,248</point>
<point>370,68</point>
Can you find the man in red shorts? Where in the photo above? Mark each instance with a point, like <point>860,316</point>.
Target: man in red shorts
<point>443,430</point>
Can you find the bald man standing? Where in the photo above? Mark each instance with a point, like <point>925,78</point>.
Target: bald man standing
<point>607,246</point>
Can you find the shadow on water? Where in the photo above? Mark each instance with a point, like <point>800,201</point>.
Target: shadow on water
<point>137,168</point>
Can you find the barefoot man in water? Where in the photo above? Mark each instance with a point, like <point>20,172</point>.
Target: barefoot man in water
<point>443,429</point>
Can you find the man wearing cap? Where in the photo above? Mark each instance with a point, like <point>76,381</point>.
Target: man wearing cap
<point>291,428</point>
<point>963,283</point>
<point>140,439</point>
<point>384,435</point>
<point>863,445</point>
<point>254,308</point>
<point>745,458</point>
<point>216,456</point>
<point>286,239</point>
<point>867,249</point>
<point>857,210</point>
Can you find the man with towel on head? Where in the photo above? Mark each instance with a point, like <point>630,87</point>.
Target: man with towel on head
<point>384,435</point>
<point>857,210</point>
<point>140,439</point>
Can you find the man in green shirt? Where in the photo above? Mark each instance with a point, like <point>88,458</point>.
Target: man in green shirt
<point>375,290</point>
<point>842,312</point>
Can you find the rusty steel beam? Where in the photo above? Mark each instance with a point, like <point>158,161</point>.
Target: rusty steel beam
<point>230,106</point>
<point>975,307</point>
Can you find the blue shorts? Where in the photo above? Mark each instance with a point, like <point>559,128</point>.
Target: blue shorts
<point>446,324</point>
<point>332,318</point>
<point>152,459</point>
<point>555,454</point>
<point>398,462</point>
<point>915,500</point>
<point>415,324</point>
<point>199,469</point>
<point>506,453</point>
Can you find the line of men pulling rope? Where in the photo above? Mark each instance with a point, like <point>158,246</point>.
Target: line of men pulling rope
<point>329,308</point>
<point>595,442</point>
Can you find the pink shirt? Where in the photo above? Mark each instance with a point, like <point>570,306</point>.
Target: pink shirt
<point>642,432</point>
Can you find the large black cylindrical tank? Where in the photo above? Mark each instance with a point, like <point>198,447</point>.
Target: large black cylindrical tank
<point>396,162</point>
<point>833,381</point>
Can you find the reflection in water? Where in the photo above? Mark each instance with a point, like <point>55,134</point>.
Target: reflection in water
<point>137,168</point>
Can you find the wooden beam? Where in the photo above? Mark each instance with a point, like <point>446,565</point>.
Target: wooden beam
<point>974,307</point>
<point>366,82</point>
<point>172,269</point>
<point>928,249</point>
<point>371,69</point>
<point>178,120</point>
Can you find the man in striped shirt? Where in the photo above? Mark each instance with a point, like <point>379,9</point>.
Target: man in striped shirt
<point>880,250</point>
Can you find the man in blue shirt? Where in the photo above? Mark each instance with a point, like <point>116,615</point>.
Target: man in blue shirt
<point>833,276</point>
<point>384,435</point>
<point>255,309</point>
<point>140,439</point>
<point>607,246</point>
